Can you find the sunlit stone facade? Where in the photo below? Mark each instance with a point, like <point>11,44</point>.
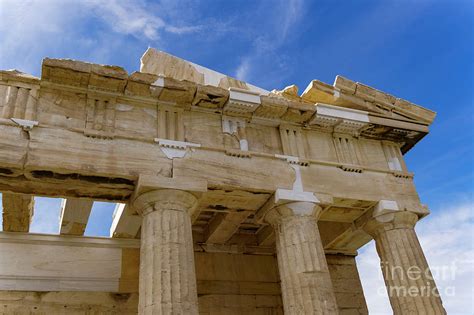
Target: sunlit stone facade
<point>230,199</point>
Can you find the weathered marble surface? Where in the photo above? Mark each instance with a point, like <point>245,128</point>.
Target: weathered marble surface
<point>88,132</point>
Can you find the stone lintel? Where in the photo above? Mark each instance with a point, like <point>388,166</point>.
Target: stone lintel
<point>295,195</point>
<point>125,222</point>
<point>225,225</point>
<point>148,183</point>
<point>352,253</point>
<point>283,196</point>
<point>386,211</point>
<point>390,221</point>
<point>391,206</point>
<point>75,213</point>
<point>385,206</point>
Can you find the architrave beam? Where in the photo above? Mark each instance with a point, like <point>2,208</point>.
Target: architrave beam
<point>75,213</point>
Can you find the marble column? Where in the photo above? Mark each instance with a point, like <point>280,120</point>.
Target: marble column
<point>408,279</point>
<point>305,281</point>
<point>167,271</point>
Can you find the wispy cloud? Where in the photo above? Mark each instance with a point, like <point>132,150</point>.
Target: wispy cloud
<point>136,18</point>
<point>293,10</point>
<point>448,242</point>
<point>111,31</point>
<point>126,17</point>
<point>243,70</point>
<point>264,58</point>
<point>91,30</point>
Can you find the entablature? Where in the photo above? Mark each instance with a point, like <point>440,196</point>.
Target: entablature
<point>93,130</point>
<point>112,85</point>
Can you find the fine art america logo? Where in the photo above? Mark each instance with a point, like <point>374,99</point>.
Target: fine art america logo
<point>414,281</point>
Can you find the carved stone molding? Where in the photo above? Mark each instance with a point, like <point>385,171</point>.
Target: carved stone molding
<point>170,123</point>
<point>235,126</point>
<point>175,149</point>
<point>241,102</point>
<point>238,153</point>
<point>338,119</point>
<point>293,159</point>
<point>295,208</point>
<point>100,117</point>
<point>164,199</point>
<point>25,124</point>
<point>19,101</point>
<point>292,141</point>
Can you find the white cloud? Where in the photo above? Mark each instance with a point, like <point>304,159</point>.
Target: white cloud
<point>264,58</point>
<point>293,10</point>
<point>91,30</point>
<point>370,273</point>
<point>448,242</point>
<point>136,18</point>
<point>184,29</point>
<point>100,31</point>
<point>243,70</point>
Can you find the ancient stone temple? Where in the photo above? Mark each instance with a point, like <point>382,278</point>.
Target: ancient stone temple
<point>230,199</point>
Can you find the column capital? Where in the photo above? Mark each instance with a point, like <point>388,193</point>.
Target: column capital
<point>390,221</point>
<point>292,209</point>
<point>164,199</point>
<point>297,203</point>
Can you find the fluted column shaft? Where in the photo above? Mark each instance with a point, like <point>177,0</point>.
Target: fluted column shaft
<point>305,280</point>
<point>167,272</point>
<point>407,276</point>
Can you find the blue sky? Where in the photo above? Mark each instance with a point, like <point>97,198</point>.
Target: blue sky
<point>418,50</point>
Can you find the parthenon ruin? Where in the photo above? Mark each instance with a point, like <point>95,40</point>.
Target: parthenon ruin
<point>230,199</point>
